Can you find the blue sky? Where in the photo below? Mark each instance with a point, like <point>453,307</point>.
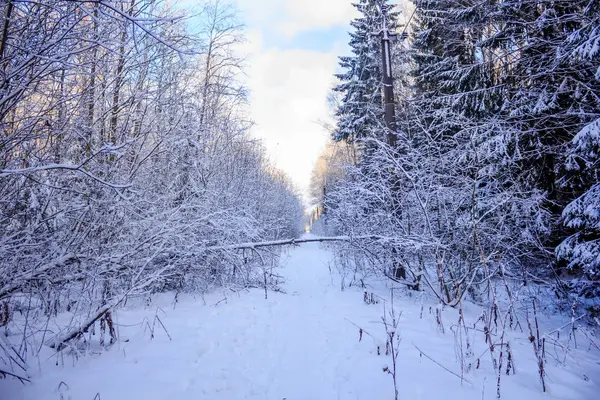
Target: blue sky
<point>321,40</point>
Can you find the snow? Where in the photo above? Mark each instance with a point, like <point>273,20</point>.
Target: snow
<point>587,141</point>
<point>302,344</point>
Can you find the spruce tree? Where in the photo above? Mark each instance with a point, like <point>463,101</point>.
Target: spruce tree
<point>581,251</point>
<point>360,114</point>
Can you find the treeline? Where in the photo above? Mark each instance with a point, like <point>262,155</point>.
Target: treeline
<point>125,162</point>
<point>496,161</point>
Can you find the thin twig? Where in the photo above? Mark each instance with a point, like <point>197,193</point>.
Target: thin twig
<point>453,373</point>
<point>20,378</point>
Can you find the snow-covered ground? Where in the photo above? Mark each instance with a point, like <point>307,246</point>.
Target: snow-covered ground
<point>302,345</point>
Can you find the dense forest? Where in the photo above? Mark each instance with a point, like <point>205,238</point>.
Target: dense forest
<point>493,169</point>
<point>151,248</point>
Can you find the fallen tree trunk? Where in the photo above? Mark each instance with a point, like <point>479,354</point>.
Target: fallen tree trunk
<point>284,242</point>
<point>4,373</point>
<point>60,342</point>
<point>42,272</point>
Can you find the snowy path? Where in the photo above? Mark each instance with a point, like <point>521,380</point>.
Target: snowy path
<point>298,345</point>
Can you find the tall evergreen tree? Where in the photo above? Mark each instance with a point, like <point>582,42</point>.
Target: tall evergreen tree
<point>360,114</point>
<point>581,250</point>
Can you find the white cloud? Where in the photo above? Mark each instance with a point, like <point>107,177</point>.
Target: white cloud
<point>290,17</point>
<point>288,98</point>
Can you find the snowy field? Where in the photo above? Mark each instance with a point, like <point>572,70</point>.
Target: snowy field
<point>300,345</point>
